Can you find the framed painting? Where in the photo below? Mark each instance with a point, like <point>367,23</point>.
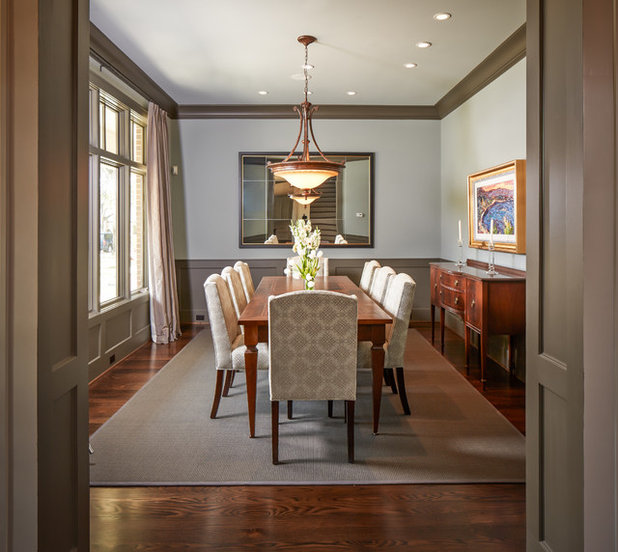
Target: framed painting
<point>499,195</point>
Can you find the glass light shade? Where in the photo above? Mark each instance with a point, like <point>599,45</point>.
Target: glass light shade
<point>306,179</point>
<point>305,198</point>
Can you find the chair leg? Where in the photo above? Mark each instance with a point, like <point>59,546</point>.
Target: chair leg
<point>229,376</point>
<point>232,378</point>
<point>274,420</point>
<point>330,409</point>
<point>389,379</point>
<point>290,409</point>
<point>217,397</point>
<point>401,382</point>
<point>349,407</point>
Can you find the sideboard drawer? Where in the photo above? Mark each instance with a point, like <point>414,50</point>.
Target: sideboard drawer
<point>474,303</point>
<point>454,281</point>
<point>451,298</point>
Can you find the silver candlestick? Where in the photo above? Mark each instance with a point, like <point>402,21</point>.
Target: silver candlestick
<point>460,263</point>
<point>491,269</point>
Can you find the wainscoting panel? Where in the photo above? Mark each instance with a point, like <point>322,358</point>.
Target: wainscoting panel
<point>115,333</point>
<point>191,274</point>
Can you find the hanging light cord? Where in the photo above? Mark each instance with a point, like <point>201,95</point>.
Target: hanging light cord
<point>305,70</point>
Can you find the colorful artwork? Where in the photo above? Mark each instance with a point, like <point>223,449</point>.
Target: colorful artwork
<point>498,194</point>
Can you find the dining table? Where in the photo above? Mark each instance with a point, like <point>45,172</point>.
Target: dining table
<point>372,322</point>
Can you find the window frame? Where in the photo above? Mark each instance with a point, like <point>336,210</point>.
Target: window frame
<point>123,160</point>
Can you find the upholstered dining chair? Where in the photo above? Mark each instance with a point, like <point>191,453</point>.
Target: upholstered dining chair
<point>234,282</point>
<point>368,274</point>
<point>228,341</point>
<point>292,261</point>
<point>313,343</point>
<point>398,303</point>
<point>380,282</point>
<point>245,276</point>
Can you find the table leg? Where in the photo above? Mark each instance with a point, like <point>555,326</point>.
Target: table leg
<point>377,366</point>
<point>251,341</point>
<point>467,347</point>
<point>483,339</point>
<point>432,310</point>
<point>442,330</point>
<point>511,364</point>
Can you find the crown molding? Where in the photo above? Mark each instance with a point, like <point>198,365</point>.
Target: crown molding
<point>107,53</point>
<point>284,111</point>
<point>512,50</point>
<point>507,54</point>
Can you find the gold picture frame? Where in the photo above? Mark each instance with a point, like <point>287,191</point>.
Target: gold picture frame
<point>498,194</point>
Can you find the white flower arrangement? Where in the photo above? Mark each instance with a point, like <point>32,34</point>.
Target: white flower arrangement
<point>306,244</point>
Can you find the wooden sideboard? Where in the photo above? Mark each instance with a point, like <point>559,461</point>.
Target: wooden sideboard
<point>487,304</point>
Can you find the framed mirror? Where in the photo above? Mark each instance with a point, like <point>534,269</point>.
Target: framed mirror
<point>343,212</point>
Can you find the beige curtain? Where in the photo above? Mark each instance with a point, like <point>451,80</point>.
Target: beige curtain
<point>164,318</point>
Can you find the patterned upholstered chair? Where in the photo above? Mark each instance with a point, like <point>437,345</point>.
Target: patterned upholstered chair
<point>245,276</point>
<point>291,263</point>
<point>380,282</point>
<point>398,303</point>
<point>227,338</point>
<point>368,274</point>
<point>313,343</point>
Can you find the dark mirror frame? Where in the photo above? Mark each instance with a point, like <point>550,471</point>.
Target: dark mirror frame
<point>287,245</point>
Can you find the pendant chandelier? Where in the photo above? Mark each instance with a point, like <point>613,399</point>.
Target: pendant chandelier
<point>305,197</point>
<point>303,172</point>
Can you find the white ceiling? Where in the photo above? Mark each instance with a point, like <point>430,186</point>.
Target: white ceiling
<point>223,52</point>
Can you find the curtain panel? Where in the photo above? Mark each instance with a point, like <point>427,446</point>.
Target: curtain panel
<point>164,314</point>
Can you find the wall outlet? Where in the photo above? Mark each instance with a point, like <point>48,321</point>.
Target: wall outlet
<point>199,317</point>
<point>112,359</point>
<point>360,215</point>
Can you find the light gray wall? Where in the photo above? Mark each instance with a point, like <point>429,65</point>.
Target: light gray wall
<point>487,130</point>
<point>205,194</point>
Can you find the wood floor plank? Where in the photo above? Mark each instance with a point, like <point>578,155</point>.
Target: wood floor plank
<point>351,518</point>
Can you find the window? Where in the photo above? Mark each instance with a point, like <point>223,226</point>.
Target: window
<point>117,257</point>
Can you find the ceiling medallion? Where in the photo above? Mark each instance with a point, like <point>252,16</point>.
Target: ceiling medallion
<point>303,172</point>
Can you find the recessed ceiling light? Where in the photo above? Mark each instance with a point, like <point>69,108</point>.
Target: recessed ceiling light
<point>309,92</point>
<point>263,92</point>
<point>442,16</point>
<point>410,65</point>
<point>423,44</point>
<point>351,93</point>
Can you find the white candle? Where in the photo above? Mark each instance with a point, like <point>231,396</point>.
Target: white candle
<point>459,229</point>
<point>491,232</point>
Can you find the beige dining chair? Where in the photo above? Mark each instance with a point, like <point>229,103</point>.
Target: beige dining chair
<point>368,274</point>
<point>227,339</point>
<point>398,303</point>
<point>292,261</point>
<point>380,282</point>
<point>245,275</point>
<point>234,282</point>
<point>315,361</point>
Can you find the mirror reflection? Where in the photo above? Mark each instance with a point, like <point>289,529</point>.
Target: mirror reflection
<point>342,212</point>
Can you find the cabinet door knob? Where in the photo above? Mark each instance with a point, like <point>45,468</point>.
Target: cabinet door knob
<point>440,292</point>
<point>435,286</point>
<point>456,300</point>
<point>473,303</point>
<point>456,282</point>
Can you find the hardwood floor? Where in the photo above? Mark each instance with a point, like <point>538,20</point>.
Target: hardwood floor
<point>310,518</point>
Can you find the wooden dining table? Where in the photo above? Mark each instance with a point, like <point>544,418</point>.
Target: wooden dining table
<point>372,321</point>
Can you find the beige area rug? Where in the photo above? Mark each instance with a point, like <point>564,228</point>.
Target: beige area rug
<point>164,436</point>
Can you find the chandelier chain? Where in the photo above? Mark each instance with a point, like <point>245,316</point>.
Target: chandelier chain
<point>305,70</point>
